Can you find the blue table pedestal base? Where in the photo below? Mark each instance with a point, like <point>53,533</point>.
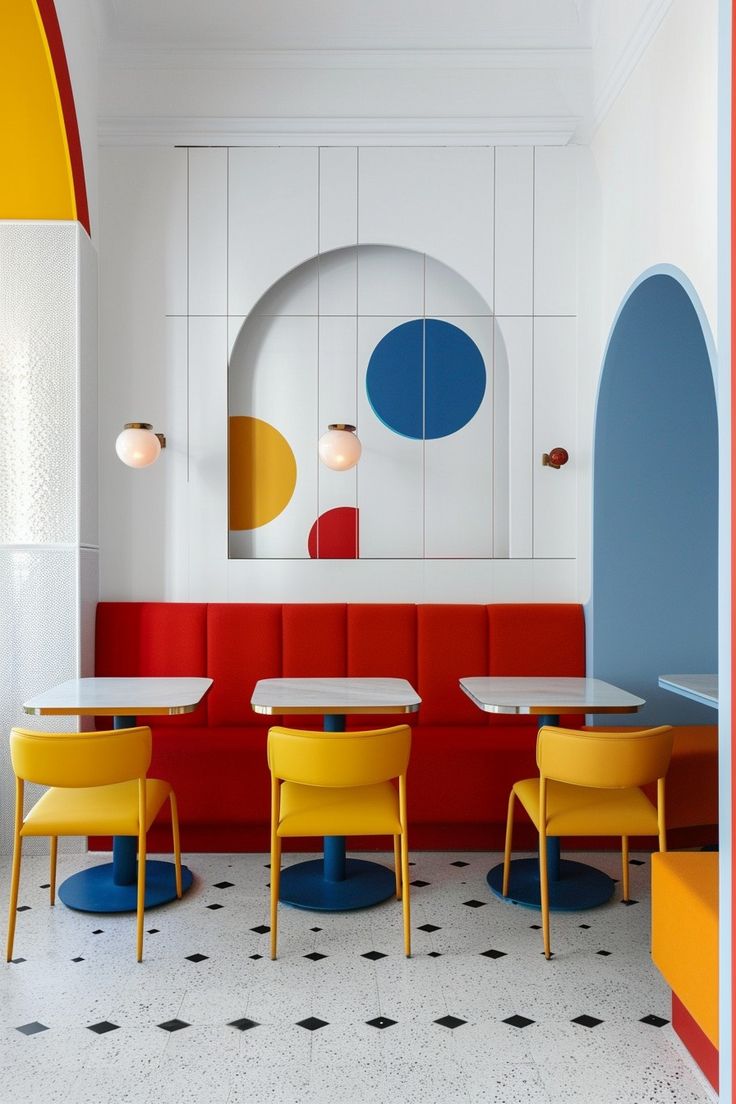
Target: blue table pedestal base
<point>364,884</point>
<point>577,886</point>
<point>94,890</point>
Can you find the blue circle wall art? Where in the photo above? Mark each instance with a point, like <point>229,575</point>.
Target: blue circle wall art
<point>426,379</point>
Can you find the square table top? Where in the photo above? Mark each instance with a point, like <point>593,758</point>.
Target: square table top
<point>119,697</point>
<point>334,695</point>
<point>533,695</point>
<point>699,688</point>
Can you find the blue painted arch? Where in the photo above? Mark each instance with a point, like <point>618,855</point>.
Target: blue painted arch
<point>654,602</point>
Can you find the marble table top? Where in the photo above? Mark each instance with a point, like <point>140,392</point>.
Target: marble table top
<point>699,688</point>
<point>126,697</point>
<point>335,695</point>
<point>548,695</point>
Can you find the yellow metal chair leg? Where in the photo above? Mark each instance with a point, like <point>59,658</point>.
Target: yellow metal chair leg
<point>177,841</point>
<point>52,869</point>
<point>397,866</point>
<point>141,867</point>
<point>14,886</point>
<point>275,886</point>
<point>405,896</point>
<point>544,893</point>
<point>625,866</point>
<point>507,850</point>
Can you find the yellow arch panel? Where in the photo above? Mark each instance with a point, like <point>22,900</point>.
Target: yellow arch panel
<point>36,180</point>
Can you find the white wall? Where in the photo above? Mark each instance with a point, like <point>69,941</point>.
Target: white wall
<point>650,182</point>
<point>173,264</point>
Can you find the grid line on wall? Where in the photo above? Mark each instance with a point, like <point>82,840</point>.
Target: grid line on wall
<point>534,306</point>
<point>357,343</point>
<point>188,316</point>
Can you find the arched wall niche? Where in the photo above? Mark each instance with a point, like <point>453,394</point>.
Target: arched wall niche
<point>654,602</point>
<point>399,344</point>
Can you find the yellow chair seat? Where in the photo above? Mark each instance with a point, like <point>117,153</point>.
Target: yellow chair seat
<point>589,811</point>
<point>94,810</point>
<point>324,811</point>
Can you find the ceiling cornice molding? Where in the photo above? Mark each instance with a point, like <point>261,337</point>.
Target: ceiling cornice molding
<point>179,57</point>
<point>615,81</point>
<point>549,130</point>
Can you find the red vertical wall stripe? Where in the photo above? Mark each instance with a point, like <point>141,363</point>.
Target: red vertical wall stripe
<point>50,21</point>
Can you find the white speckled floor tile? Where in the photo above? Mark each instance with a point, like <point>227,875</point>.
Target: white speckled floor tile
<point>268,1058</point>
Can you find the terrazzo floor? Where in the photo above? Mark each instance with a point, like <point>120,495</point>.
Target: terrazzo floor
<point>477,1015</point>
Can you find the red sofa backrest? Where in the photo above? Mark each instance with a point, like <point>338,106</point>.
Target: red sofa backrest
<point>430,645</point>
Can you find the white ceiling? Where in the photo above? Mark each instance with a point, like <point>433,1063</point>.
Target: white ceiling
<point>347,24</point>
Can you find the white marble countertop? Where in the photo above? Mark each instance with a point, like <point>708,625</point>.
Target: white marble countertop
<point>123,697</point>
<point>335,695</point>
<point>699,688</point>
<point>548,695</point>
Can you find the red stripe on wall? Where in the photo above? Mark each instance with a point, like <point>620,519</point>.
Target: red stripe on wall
<point>51,27</point>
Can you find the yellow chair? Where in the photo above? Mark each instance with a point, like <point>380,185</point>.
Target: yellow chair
<point>98,787</point>
<point>339,784</point>
<point>589,785</point>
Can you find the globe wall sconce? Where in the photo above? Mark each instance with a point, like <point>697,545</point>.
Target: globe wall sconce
<point>339,447</point>
<point>555,458</point>
<point>138,446</point>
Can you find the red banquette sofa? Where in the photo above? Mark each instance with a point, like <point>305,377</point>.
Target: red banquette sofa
<point>463,761</point>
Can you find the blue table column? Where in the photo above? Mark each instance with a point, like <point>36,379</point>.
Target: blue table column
<point>112,887</point>
<point>572,885</point>
<point>335,883</point>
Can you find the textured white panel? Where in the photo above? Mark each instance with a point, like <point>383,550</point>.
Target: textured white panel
<point>208,213</point>
<point>337,403</point>
<point>338,197</point>
<point>89,593</point>
<point>38,383</point>
<point>447,293</point>
<point>273,376</point>
<point>554,424</point>
<point>390,281</point>
<point>88,394</point>
<point>514,223</point>
<point>272,219</point>
<point>555,235</point>
<point>437,201</point>
<point>207,507</point>
<point>337,282</point>
<point>514,376</point>
<point>458,472</point>
<point>390,480</point>
<point>38,628</point>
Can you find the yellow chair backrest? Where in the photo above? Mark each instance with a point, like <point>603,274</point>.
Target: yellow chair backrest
<point>604,760</point>
<point>339,759</point>
<point>80,759</point>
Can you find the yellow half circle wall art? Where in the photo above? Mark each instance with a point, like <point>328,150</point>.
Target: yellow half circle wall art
<point>262,472</point>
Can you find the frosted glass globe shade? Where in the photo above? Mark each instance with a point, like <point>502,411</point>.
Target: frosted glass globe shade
<point>339,449</point>
<point>138,447</point>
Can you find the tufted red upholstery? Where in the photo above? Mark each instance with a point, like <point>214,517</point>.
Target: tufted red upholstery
<point>462,764</point>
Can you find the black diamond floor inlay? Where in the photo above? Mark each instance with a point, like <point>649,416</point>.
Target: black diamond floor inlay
<point>605,954</point>
<point>585,927</point>
<point>255,956</point>
<point>428,928</point>
<point>31,1028</point>
<point>472,903</point>
<point>312,1023</point>
<point>450,1021</point>
<point>98,931</point>
<point>45,886</point>
<point>103,1027</point>
<point>493,954</point>
<point>586,1021</point>
<point>636,862</point>
<point>459,862</point>
<point>244,1024</point>
<point>653,1021</point>
<point>315,956</point>
<point>373,955</point>
<point>630,901</point>
<point>518,1021</point>
<point>23,908</point>
<point>153,931</point>
<point>174,1025</point>
<point>261,929</point>
<point>315,929</point>
<point>196,958</point>
<point>16,961</point>
<point>78,959</point>
<point>434,954</point>
<point>223,885</point>
<point>419,883</point>
<point>381,1021</point>
<point>536,927</point>
<point>214,907</point>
